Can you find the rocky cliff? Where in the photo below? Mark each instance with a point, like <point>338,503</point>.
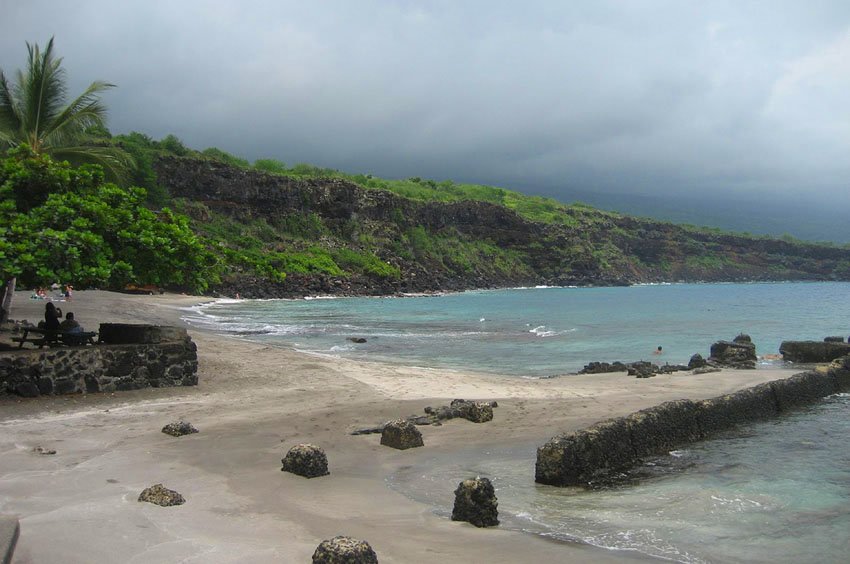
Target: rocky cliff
<point>464,244</point>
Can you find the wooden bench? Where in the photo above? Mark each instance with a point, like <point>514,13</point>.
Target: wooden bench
<point>54,338</point>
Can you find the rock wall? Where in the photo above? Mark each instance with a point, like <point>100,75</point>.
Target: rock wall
<point>102,367</point>
<point>598,453</point>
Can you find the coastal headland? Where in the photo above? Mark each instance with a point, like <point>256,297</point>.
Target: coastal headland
<point>252,404</point>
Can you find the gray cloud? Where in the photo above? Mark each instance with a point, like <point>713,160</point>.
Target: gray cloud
<point>650,97</point>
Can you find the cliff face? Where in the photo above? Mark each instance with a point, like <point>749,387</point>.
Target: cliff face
<point>478,244</point>
<point>221,188</point>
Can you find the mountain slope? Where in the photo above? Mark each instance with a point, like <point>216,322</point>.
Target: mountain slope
<point>331,235</point>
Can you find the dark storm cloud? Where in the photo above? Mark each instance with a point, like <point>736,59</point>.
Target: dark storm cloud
<point>650,96</point>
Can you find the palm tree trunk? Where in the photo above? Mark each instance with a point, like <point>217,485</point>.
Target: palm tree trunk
<point>8,292</point>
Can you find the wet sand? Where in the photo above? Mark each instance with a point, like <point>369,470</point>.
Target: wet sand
<point>253,403</point>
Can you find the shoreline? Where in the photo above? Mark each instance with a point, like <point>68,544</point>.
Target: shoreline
<point>253,402</point>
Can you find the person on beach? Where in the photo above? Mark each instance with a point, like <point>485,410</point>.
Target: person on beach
<point>52,314</point>
<point>70,324</point>
<point>72,328</point>
<point>658,350</point>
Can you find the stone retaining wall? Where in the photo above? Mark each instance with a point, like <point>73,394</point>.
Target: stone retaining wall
<point>102,367</point>
<point>602,450</point>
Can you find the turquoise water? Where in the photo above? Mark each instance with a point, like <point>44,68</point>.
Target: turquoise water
<point>771,492</point>
<point>542,331</point>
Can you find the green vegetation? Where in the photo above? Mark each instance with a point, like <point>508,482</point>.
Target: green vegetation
<point>59,223</point>
<point>33,112</point>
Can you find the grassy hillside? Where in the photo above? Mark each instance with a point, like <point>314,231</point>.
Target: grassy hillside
<point>292,230</point>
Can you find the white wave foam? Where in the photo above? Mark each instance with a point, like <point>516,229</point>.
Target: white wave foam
<point>542,331</point>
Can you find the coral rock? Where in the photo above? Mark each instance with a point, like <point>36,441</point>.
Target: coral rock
<point>179,429</point>
<point>475,502</point>
<point>160,495</point>
<point>344,550</point>
<point>401,434</point>
<point>306,460</point>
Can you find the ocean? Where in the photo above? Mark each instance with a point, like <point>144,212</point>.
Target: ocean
<point>541,331</point>
<point>770,492</point>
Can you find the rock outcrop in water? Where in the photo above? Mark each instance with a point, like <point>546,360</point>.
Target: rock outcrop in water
<point>476,503</point>
<point>812,352</point>
<point>738,353</point>
<point>597,454</point>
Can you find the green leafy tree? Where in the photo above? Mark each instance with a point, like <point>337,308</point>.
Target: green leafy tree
<point>91,232</point>
<point>33,111</point>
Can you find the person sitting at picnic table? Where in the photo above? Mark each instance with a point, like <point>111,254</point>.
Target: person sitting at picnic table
<point>71,325</point>
<point>52,314</point>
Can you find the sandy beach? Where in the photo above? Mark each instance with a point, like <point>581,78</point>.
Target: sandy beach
<point>252,404</point>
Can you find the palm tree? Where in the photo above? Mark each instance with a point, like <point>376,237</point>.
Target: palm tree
<point>33,111</point>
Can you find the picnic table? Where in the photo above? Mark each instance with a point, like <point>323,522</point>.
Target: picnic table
<point>54,337</point>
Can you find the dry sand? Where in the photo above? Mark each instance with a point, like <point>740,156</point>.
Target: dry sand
<point>253,403</point>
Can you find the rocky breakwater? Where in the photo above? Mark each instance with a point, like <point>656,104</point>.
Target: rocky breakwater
<point>598,454</point>
<point>812,352</point>
<point>127,357</point>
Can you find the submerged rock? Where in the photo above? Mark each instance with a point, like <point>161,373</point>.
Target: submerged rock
<point>476,503</point>
<point>160,495</point>
<point>306,460</point>
<point>344,550</point>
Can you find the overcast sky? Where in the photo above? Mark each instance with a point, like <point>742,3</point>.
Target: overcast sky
<point>643,96</point>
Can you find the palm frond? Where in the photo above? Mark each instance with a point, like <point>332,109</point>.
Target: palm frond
<point>84,112</point>
<point>43,90</point>
<point>116,163</point>
<point>10,118</point>
<point>32,111</point>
